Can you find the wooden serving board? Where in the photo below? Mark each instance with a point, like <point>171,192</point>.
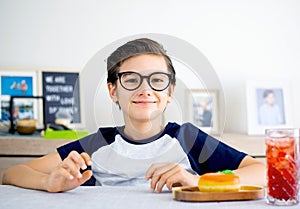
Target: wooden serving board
<point>193,194</point>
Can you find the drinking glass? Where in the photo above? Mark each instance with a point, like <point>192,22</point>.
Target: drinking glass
<point>282,153</point>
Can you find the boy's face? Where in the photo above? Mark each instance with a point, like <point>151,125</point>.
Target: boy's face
<point>144,103</point>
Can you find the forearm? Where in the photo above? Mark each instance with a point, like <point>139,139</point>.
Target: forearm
<point>25,176</point>
<point>254,174</point>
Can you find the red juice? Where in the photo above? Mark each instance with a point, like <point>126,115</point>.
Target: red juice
<point>282,169</point>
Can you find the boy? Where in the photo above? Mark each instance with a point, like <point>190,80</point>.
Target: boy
<point>141,81</point>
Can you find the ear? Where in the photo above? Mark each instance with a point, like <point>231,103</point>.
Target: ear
<point>171,91</point>
<point>112,89</point>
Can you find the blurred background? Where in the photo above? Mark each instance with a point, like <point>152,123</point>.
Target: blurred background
<point>254,40</point>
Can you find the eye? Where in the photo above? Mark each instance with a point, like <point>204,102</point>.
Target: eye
<point>157,80</point>
<point>130,80</point>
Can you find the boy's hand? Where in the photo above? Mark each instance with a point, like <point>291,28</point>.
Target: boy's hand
<point>169,174</point>
<point>67,175</point>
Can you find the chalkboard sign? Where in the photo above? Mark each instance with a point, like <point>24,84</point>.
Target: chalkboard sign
<point>62,98</point>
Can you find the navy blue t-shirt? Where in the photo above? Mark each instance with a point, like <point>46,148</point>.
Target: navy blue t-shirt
<point>205,153</point>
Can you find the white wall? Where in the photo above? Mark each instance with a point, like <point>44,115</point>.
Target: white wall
<point>255,39</point>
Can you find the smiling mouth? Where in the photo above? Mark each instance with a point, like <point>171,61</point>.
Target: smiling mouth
<point>144,102</point>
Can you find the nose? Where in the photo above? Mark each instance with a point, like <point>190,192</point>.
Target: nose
<point>145,88</point>
<point>145,84</point>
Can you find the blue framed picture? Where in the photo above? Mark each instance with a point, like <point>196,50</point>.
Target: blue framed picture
<point>18,83</point>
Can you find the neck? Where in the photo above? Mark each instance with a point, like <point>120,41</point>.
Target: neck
<point>138,130</point>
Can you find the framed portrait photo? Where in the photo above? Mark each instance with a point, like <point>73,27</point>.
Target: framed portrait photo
<point>268,106</point>
<point>203,109</point>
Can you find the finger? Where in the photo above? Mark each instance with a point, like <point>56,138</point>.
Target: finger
<point>82,161</point>
<point>150,171</point>
<point>87,160</point>
<point>73,163</point>
<point>154,174</point>
<point>164,178</point>
<point>173,181</point>
<point>182,178</point>
<point>158,173</point>
<point>71,167</point>
<point>158,169</point>
<point>154,180</point>
<point>65,173</point>
<point>86,176</point>
<point>78,159</point>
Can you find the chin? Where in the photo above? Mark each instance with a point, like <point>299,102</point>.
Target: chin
<point>146,117</point>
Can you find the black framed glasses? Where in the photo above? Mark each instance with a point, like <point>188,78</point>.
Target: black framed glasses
<point>158,81</point>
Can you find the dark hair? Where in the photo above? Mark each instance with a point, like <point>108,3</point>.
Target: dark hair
<point>135,48</point>
<point>267,92</point>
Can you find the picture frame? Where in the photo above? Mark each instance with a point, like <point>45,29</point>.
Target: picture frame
<point>268,106</point>
<point>18,83</point>
<point>203,109</point>
<point>21,107</point>
<point>68,100</point>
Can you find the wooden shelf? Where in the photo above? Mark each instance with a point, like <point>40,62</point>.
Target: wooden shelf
<point>10,145</point>
<point>252,145</point>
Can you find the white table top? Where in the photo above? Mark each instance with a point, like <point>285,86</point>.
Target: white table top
<point>109,197</point>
